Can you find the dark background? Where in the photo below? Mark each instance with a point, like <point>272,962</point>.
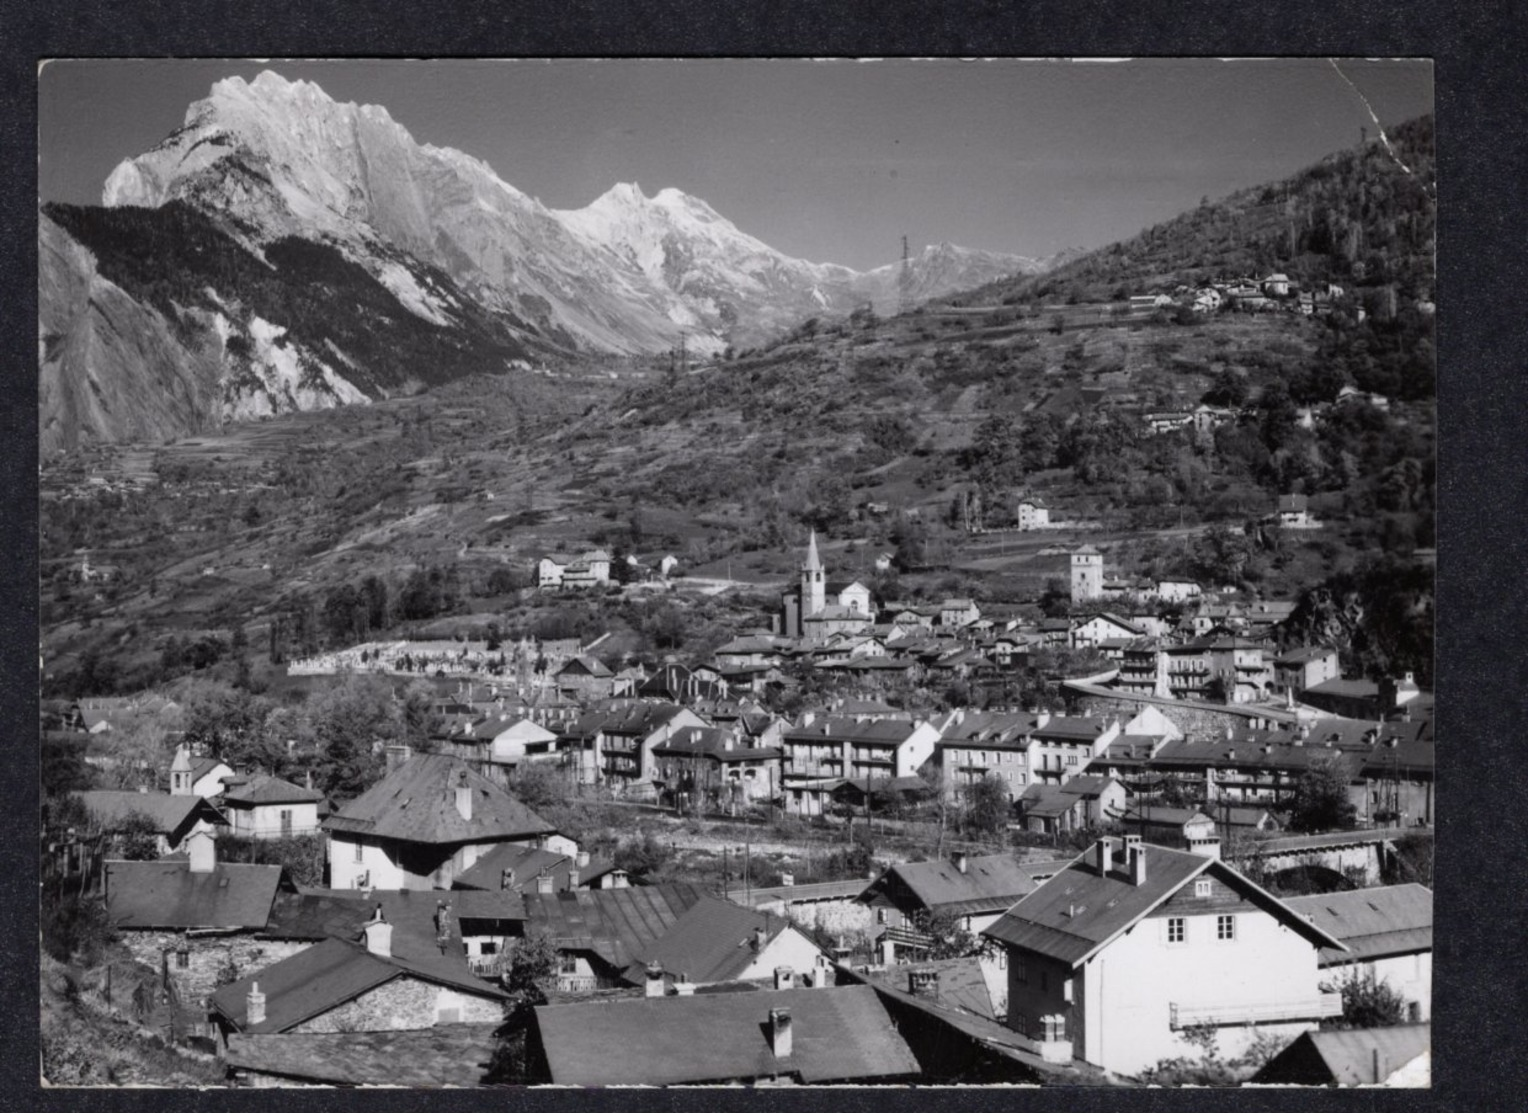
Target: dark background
<point>1481,945</point>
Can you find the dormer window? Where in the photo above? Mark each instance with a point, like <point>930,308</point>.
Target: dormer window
<point>1202,887</point>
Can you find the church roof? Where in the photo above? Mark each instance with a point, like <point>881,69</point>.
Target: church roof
<point>813,562</point>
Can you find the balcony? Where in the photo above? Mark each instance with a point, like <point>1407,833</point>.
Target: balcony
<point>1318,1007</point>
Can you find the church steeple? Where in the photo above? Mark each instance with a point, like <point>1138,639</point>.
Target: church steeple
<point>813,584</point>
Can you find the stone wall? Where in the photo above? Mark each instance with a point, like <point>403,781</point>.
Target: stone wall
<point>404,1003</point>
<point>206,957</point>
<point>1194,722</point>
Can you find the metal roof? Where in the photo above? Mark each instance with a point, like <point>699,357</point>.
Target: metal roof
<point>167,894</point>
<point>795,894</point>
<point>1372,923</point>
<point>616,924</point>
<point>712,941</point>
<point>838,1035</point>
<point>416,803</point>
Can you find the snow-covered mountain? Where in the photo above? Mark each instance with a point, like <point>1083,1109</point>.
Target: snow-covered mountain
<point>415,231</point>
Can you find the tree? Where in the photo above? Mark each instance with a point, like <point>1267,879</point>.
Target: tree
<point>348,720</point>
<point>1368,1002</point>
<point>63,766</point>
<point>1321,798</point>
<point>951,939</point>
<point>643,858</point>
<point>987,807</point>
<point>137,838</point>
<point>526,977</point>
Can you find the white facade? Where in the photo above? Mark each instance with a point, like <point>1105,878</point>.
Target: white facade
<point>1127,988</point>
<point>358,864</point>
<point>1033,515</point>
<point>1087,574</point>
<point>274,821</point>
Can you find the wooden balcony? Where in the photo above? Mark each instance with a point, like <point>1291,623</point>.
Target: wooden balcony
<point>1318,1007</point>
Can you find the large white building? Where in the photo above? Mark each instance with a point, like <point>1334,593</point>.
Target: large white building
<point>1133,952</point>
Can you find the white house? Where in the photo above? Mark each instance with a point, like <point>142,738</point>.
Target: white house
<point>270,808</point>
<point>1132,950</point>
<point>1388,935</point>
<point>424,823</point>
<point>1033,514</point>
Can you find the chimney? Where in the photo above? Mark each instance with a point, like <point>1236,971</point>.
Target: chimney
<point>780,1032</point>
<point>759,939</point>
<point>581,859</point>
<point>507,878</point>
<point>203,850</point>
<point>463,795</point>
<point>307,780</point>
<point>254,1006</point>
<point>1103,851</point>
<point>397,754</point>
<point>619,879</point>
<point>785,977</point>
<point>544,881</point>
<point>683,987</point>
<point>379,935</point>
<point>654,984</point>
<point>923,983</point>
<point>573,876</point>
<point>960,860</point>
<point>1137,865</point>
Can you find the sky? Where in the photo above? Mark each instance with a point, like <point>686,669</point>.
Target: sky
<point>831,161</point>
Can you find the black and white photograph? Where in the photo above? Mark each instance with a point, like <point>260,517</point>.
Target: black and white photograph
<point>874,572</point>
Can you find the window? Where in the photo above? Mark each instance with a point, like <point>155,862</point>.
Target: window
<point>1176,929</point>
<point>567,964</point>
<point>286,823</point>
<point>488,947</point>
<point>182,958</point>
<point>1020,971</point>
<point>1202,887</point>
<point>1225,927</point>
<point>1066,990</point>
<point>357,851</point>
<point>1071,759</point>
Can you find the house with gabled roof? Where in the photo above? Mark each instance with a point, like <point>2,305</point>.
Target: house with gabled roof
<point>1388,935</point>
<point>1133,947</point>
<point>715,941</point>
<point>429,819</point>
<point>264,807</point>
<point>713,767</point>
<point>600,933</point>
<point>172,817</point>
<point>614,745</point>
<point>824,751</point>
<point>341,985</point>
<point>1077,804</point>
<point>974,888</point>
<point>190,917</point>
<point>1398,1056</point>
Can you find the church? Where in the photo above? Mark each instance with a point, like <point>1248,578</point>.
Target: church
<point>806,612</point>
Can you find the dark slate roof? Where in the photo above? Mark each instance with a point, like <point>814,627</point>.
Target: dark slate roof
<point>169,813</point>
<point>1303,654</point>
<point>1346,1058</point>
<point>328,974</point>
<point>416,934</point>
<point>1077,912</point>
<point>711,942</point>
<point>712,742</point>
<point>445,1055</point>
<point>167,894</point>
<point>616,924</point>
<point>271,790</point>
<point>588,666</point>
<point>875,731</point>
<point>838,1035</point>
<point>991,882</point>
<point>1372,923</point>
<point>417,803</point>
<point>527,861</point>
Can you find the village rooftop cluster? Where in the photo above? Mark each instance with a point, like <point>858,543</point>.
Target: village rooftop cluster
<point>1137,924</point>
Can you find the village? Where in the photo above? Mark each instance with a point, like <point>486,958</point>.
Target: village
<point>1202,852</point>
